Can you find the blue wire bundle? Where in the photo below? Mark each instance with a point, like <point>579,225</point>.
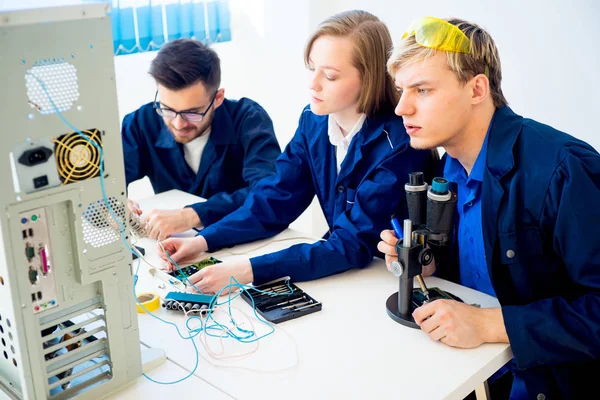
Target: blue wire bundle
<point>211,325</point>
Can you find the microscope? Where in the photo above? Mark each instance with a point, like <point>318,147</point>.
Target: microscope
<point>426,233</point>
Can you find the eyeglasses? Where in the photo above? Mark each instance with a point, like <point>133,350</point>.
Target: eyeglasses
<point>435,33</point>
<point>186,115</point>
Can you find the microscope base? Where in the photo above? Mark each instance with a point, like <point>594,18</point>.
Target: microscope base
<point>418,299</point>
<point>392,309</point>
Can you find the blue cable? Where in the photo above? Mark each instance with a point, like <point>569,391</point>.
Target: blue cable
<point>214,302</point>
<point>122,229</point>
<point>190,337</point>
<point>104,196</point>
<point>181,272</point>
<point>233,283</point>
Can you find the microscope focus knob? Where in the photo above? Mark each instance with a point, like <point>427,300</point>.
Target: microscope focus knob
<point>397,269</point>
<point>425,257</point>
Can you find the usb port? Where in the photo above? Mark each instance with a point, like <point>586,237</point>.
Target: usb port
<point>24,233</point>
<point>39,295</point>
<point>30,232</point>
<point>33,297</point>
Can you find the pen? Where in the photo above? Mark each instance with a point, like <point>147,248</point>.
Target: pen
<point>397,227</point>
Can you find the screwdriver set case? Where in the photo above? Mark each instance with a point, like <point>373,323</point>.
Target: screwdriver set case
<point>275,302</point>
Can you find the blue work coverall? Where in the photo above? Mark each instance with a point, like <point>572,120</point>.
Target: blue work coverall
<point>241,150</point>
<point>357,202</point>
<point>541,219</point>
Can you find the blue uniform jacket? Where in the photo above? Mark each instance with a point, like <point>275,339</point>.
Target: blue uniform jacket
<point>541,218</point>
<point>240,151</point>
<point>357,203</point>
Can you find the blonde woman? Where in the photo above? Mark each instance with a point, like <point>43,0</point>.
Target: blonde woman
<point>349,150</point>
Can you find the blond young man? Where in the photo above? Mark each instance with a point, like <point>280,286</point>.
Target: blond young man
<point>528,200</point>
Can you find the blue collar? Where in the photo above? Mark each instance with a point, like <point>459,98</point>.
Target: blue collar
<point>453,169</point>
<point>505,129</point>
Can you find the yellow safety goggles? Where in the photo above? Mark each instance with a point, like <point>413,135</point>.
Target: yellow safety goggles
<point>435,33</point>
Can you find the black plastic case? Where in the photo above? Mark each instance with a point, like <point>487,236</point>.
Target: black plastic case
<point>278,305</point>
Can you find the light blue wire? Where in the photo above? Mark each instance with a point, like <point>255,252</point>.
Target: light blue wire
<point>192,333</point>
<point>181,272</point>
<point>214,302</point>
<point>63,119</point>
<point>244,288</point>
<point>122,226</point>
<point>190,337</point>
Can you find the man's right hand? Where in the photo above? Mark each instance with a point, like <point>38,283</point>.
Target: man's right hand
<point>134,207</point>
<point>164,223</point>
<point>388,247</point>
<point>182,250</point>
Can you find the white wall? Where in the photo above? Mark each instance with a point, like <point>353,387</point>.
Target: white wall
<point>549,50</point>
<point>264,62</point>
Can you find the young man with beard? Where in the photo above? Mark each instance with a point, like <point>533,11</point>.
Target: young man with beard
<point>193,139</point>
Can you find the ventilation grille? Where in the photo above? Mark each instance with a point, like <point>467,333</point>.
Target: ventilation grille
<point>52,85</point>
<point>75,352</point>
<point>8,354</point>
<point>99,226</point>
<point>78,158</point>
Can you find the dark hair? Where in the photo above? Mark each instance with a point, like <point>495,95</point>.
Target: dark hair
<point>184,62</point>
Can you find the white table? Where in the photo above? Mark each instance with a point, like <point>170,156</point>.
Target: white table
<point>191,388</point>
<point>350,349</point>
<point>143,389</point>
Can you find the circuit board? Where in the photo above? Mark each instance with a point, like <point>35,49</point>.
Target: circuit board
<point>435,293</point>
<point>190,270</point>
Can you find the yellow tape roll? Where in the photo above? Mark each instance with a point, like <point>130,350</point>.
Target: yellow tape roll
<point>150,300</point>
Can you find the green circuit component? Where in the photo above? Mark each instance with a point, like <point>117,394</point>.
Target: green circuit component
<point>190,270</point>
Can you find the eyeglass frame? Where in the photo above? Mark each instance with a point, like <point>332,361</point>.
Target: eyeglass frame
<point>159,110</point>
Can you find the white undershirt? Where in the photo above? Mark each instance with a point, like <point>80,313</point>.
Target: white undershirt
<point>342,143</point>
<point>193,150</point>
